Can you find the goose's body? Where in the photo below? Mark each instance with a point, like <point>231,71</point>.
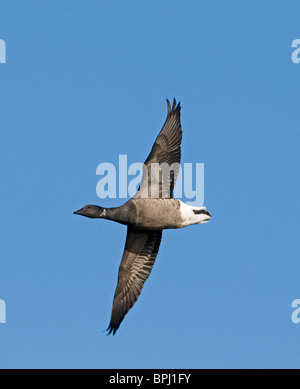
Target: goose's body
<point>150,211</point>
<point>150,214</point>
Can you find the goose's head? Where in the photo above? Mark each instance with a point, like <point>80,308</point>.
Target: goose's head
<point>93,211</point>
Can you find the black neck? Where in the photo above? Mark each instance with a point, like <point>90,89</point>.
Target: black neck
<point>117,214</point>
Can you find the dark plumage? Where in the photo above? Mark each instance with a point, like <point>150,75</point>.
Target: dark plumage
<point>166,150</point>
<point>151,210</point>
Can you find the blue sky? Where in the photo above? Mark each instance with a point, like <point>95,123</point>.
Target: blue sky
<point>87,81</point>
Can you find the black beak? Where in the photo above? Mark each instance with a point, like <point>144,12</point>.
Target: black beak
<point>77,212</point>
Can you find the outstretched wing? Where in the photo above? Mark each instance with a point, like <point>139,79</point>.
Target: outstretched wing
<point>162,165</point>
<point>140,251</point>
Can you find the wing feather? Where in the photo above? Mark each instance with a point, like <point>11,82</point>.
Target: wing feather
<point>157,182</point>
<point>140,252</point>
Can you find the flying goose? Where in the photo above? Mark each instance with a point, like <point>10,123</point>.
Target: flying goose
<point>146,214</point>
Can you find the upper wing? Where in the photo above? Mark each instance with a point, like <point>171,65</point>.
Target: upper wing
<point>140,251</point>
<point>159,181</point>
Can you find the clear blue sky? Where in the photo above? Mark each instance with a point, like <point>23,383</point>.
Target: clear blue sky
<point>86,81</point>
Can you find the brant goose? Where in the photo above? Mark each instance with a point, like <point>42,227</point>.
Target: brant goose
<point>151,210</point>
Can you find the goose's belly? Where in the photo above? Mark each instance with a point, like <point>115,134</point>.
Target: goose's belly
<point>158,214</point>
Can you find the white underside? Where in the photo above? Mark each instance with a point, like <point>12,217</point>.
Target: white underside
<point>189,217</point>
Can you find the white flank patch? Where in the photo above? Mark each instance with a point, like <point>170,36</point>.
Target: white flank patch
<point>189,217</point>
